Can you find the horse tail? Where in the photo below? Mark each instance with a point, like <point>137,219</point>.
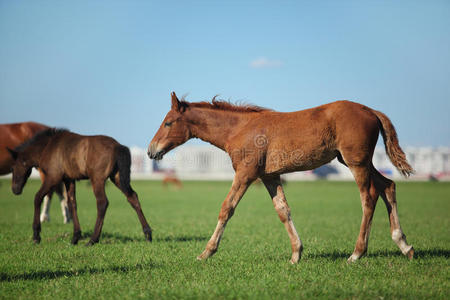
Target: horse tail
<point>393,150</point>
<point>123,160</point>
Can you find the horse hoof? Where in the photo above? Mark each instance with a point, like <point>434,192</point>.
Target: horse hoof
<point>295,258</point>
<point>37,241</point>
<point>90,243</point>
<point>293,261</point>
<point>202,256</point>
<point>205,254</point>
<point>352,259</point>
<point>410,253</point>
<point>76,237</point>
<point>148,234</point>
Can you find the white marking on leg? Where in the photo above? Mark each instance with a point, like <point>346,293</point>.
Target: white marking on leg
<point>45,210</point>
<point>213,243</point>
<point>399,238</point>
<point>217,235</point>
<point>296,247</point>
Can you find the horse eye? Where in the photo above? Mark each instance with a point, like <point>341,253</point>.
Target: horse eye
<point>168,124</point>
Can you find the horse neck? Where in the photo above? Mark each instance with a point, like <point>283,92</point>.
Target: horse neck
<point>215,126</point>
<point>33,151</point>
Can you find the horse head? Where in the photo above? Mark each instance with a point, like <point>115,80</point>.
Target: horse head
<point>174,130</point>
<point>21,171</point>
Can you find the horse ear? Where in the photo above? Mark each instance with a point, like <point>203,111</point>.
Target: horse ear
<point>13,153</point>
<point>175,101</point>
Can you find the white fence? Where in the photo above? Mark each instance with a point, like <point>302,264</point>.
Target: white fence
<point>202,162</point>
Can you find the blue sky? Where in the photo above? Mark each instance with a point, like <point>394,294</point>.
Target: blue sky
<point>108,67</point>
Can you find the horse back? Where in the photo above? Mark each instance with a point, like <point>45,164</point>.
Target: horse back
<point>78,156</point>
<point>307,139</point>
<point>329,125</point>
<point>13,135</point>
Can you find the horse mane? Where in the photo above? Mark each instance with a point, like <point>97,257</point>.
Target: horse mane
<point>219,104</point>
<point>46,133</point>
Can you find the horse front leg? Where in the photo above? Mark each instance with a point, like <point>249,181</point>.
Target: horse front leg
<point>238,188</point>
<point>45,215</point>
<point>275,189</point>
<point>45,188</point>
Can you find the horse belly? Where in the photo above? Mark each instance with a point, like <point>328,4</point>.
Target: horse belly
<point>286,161</point>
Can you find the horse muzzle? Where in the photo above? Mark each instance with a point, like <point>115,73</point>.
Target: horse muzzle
<point>155,153</point>
<point>16,189</point>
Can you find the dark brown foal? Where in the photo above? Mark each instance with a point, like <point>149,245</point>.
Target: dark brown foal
<point>66,157</point>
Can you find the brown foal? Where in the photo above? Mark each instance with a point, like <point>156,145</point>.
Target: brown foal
<point>265,144</point>
<point>66,157</point>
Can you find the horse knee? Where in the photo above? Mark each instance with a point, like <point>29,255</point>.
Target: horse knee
<point>226,213</point>
<point>369,204</point>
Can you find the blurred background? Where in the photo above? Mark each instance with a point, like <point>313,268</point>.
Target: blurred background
<point>108,67</point>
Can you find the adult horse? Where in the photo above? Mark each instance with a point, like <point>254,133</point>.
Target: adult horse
<point>264,144</point>
<point>11,136</point>
<point>66,157</point>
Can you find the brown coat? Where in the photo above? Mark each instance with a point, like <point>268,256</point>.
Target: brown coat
<point>265,144</point>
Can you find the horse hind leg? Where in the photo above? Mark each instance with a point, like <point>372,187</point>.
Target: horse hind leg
<point>44,190</point>
<point>102,204</point>
<point>369,196</point>
<point>71,198</point>
<point>133,199</point>
<point>386,189</point>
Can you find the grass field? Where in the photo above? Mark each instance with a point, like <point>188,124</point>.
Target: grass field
<point>253,260</point>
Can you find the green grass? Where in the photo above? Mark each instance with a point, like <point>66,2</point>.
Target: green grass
<point>253,259</point>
